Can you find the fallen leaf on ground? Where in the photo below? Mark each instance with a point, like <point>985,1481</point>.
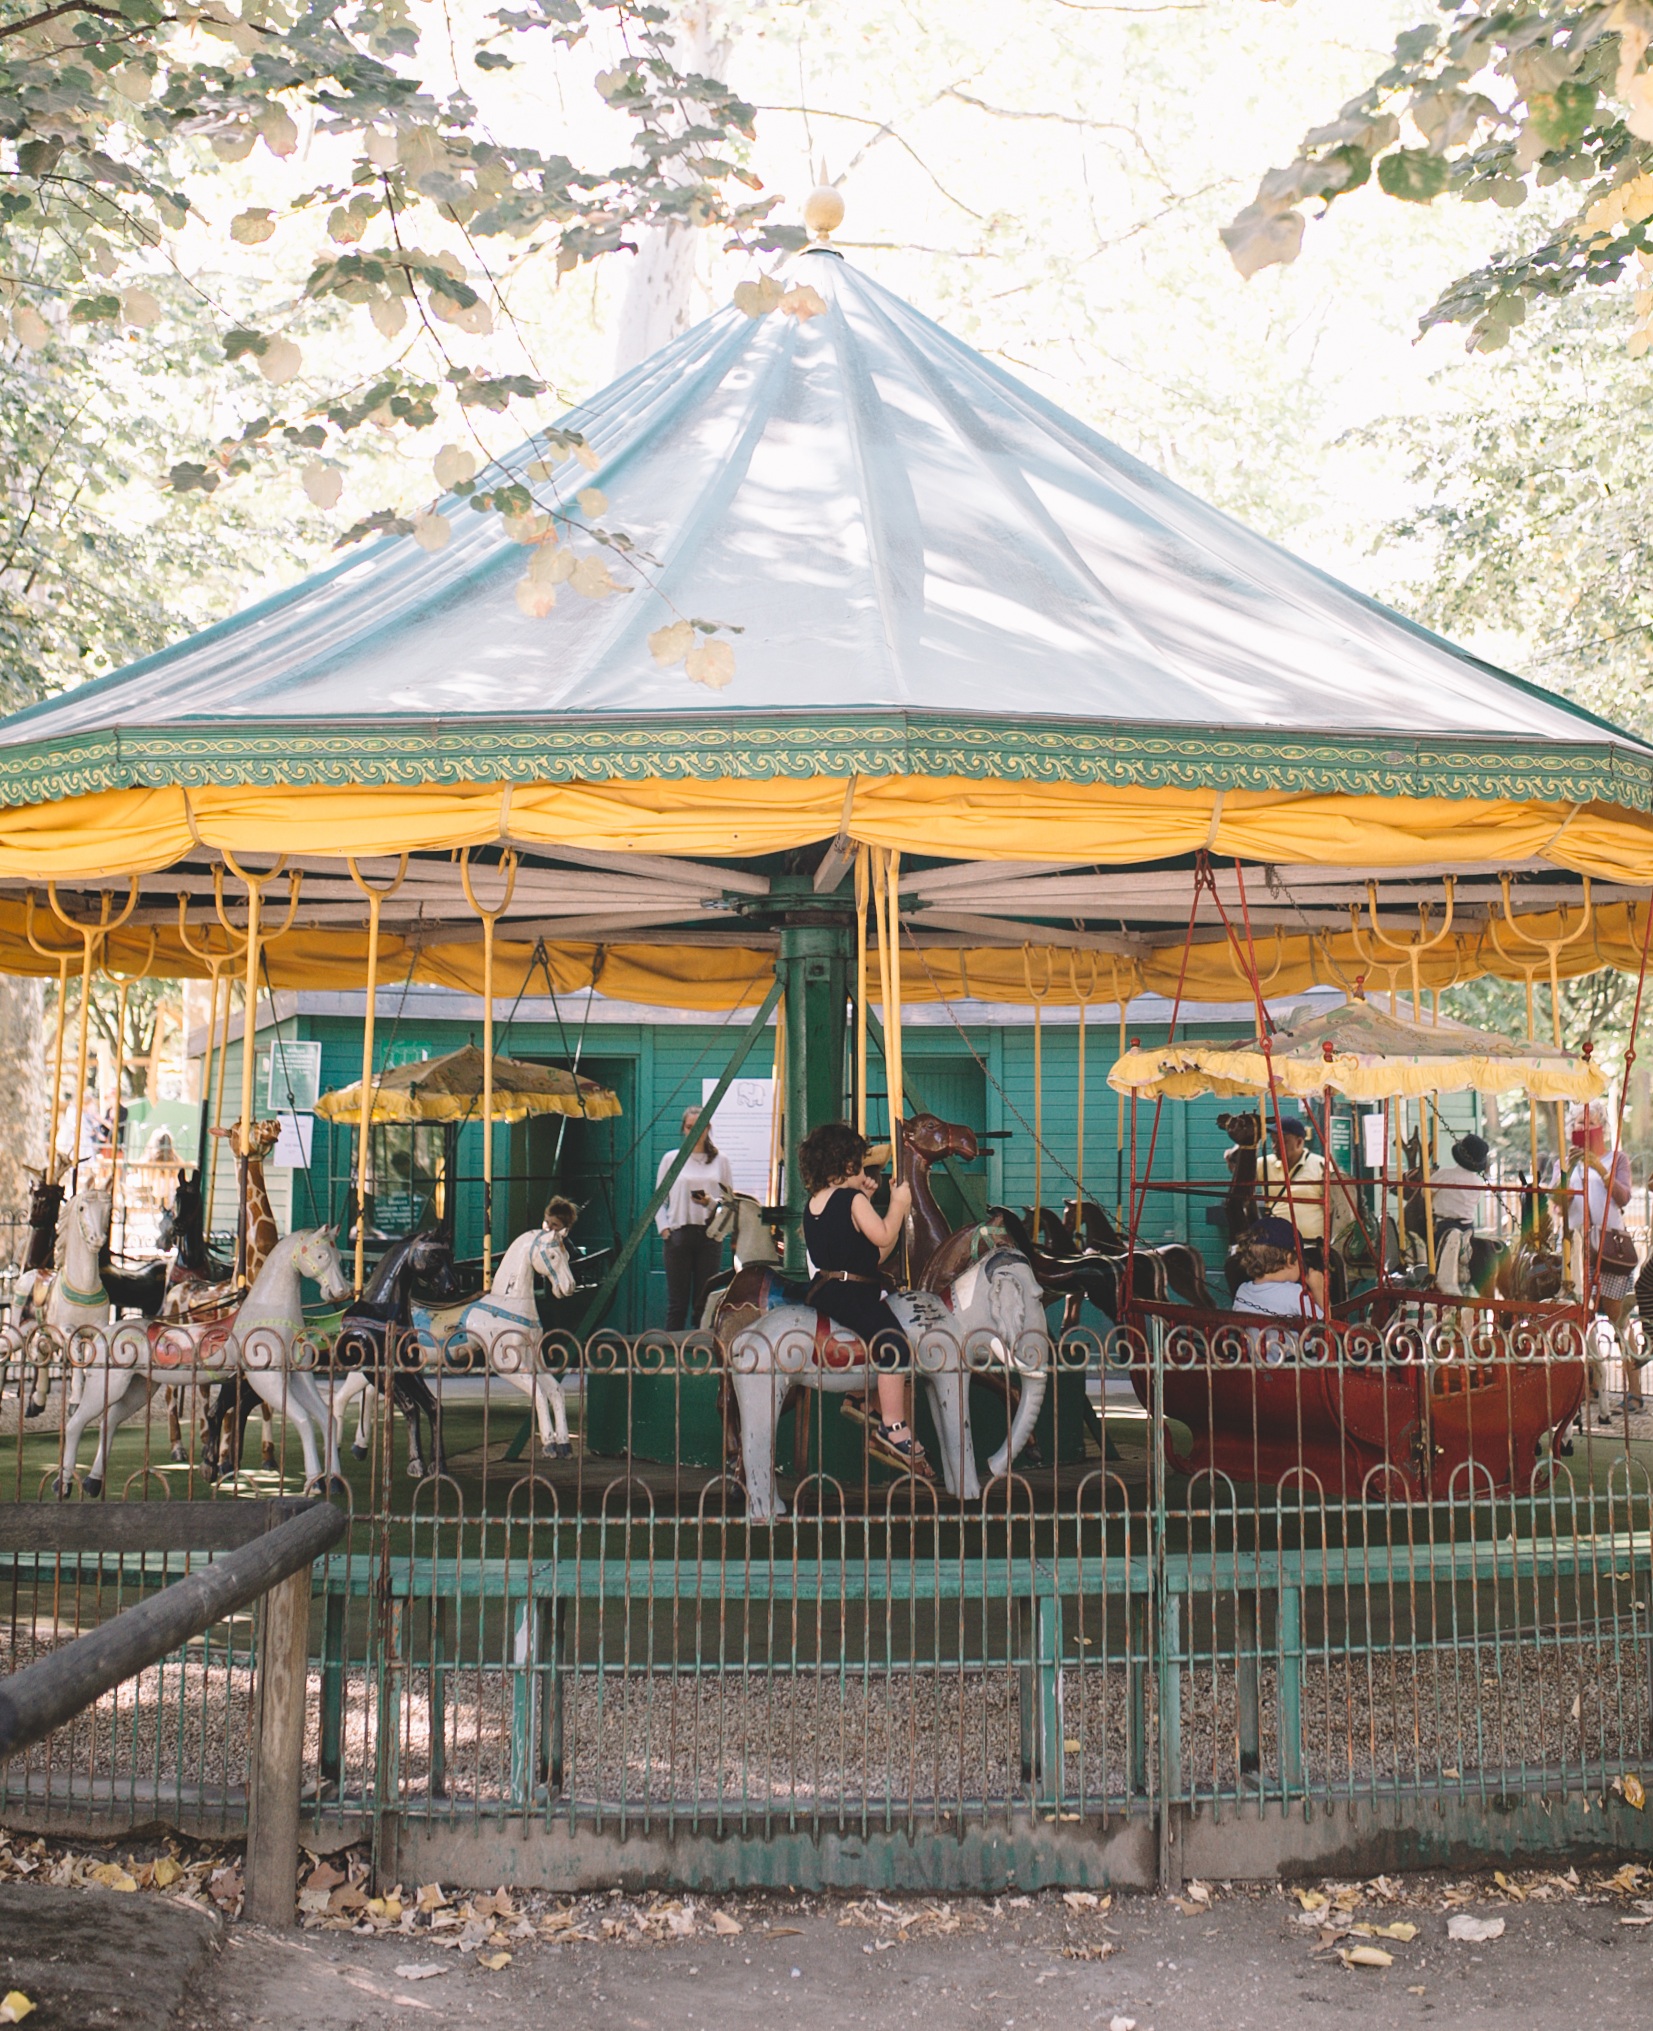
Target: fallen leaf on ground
<point>15,2007</point>
<point>1634,1794</point>
<point>1365,1957</point>
<point>420,1971</point>
<point>1311,1900</point>
<point>165,1873</point>
<point>1473,1931</point>
<point>493,1961</point>
<point>111,1876</point>
<point>723,1923</point>
<point>1402,1929</point>
<point>1079,1900</point>
<point>1090,1950</point>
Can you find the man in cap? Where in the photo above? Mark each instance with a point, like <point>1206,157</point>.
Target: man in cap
<point>1293,1191</point>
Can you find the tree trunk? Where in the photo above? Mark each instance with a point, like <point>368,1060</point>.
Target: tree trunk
<point>659,301</point>
<point>23,1095</point>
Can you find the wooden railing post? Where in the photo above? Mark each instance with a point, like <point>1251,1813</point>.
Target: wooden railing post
<point>278,1754</point>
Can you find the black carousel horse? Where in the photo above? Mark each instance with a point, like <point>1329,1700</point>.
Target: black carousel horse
<point>372,1339</point>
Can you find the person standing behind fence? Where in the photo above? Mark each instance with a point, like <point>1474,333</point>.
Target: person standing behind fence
<point>692,1257</point>
<point>1597,1194</point>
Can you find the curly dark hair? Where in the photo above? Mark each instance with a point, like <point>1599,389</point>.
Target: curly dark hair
<point>1261,1258</point>
<point>830,1152</point>
<point>560,1212</point>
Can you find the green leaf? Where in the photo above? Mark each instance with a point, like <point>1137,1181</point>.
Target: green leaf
<point>1413,174</point>
<point>1562,116</point>
<point>94,309</point>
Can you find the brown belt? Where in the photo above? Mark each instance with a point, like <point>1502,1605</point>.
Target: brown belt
<point>849,1276</point>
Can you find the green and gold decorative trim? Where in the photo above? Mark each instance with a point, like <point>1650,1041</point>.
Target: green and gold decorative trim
<point>699,746</point>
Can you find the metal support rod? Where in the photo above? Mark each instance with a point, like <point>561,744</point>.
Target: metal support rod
<point>375,900</point>
<point>43,1696</point>
<point>508,866</point>
<point>862,856</point>
<point>278,1753</point>
<point>662,1191</point>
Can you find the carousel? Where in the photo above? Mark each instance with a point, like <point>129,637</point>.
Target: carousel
<point>999,715</point>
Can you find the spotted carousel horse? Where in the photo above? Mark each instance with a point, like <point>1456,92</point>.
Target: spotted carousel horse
<point>136,1358</point>
<point>505,1326</point>
<point>771,1347</point>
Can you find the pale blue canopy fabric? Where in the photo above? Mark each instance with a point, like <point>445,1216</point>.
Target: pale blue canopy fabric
<point>894,525</point>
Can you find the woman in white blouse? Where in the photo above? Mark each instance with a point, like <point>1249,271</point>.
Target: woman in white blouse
<point>692,1259</point>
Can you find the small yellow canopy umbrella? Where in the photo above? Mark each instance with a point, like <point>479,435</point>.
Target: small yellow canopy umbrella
<point>450,1089</point>
<point>1365,1053</point>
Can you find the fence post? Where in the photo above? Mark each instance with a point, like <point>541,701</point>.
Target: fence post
<point>278,1754</point>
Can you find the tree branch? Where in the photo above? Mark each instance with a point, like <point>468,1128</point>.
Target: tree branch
<point>54,13</point>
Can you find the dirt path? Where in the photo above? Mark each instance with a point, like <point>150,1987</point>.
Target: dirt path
<point>1247,1962</point>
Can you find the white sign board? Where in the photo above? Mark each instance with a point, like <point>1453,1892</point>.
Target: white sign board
<point>287,1075</point>
<point>742,1129</point>
<point>292,1150</point>
<point>1373,1128</point>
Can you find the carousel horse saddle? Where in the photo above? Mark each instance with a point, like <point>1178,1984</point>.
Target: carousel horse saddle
<point>173,1344</point>
<point>761,1288</point>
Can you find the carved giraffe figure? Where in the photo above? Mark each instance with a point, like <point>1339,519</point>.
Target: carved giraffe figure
<point>262,1232</point>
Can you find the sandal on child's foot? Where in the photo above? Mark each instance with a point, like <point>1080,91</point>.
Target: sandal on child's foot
<point>899,1447</point>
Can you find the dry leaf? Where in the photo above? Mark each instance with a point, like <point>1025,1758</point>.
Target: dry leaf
<point>1311,1900</point>
<point>165,1873</point>
<point>1080,1900</point>
<point>534,598</point>
<point>33,332</point>
<point>1473,1931</point>
<point>587,457</point>
<point>1634,1794</point>
<point>593,502</point>
<point>1103,1949</point>
<point>453,465</point>
<point>431,531</point>
<point>711,663</point>
<point>420,1970</point>
<point>1200,1893</point>
<point>276,125</point>
<point>111,1876</point>
<point>280,361</point>
<point>141,308</point>
<point>493,1961</point>
<point>323,483</point>
<point>15,2007</point>
<point>803,303</point>
<point>1365,1957</point>
<point>1402,1930</point>
<point>253,227</point>
<point>431,1897</point>
<point>758,298</point>
<point>672,643</point>
<point>382,149</point>
<point>725,1925</point>
<point>389,314</point>
<point>591,578</point>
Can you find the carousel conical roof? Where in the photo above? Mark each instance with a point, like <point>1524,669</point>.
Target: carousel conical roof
<point>933,571</point>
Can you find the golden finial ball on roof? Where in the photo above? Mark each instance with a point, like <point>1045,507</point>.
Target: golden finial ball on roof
<point>824,211</point>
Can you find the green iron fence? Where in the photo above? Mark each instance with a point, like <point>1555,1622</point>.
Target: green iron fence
<point>1254,1596</point>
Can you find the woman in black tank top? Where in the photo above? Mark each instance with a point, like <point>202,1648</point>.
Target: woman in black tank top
<point>847,1242</point>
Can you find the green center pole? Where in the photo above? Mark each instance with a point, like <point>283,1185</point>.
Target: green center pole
<point>662,1191</point>
<point>817,967</point>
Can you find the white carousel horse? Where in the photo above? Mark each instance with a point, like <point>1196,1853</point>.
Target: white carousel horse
<point>739,1214</point>
<point>74,1299</point>
<point>260,1341</point>
<point>505,1325</point>
<point>995,1306</point>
